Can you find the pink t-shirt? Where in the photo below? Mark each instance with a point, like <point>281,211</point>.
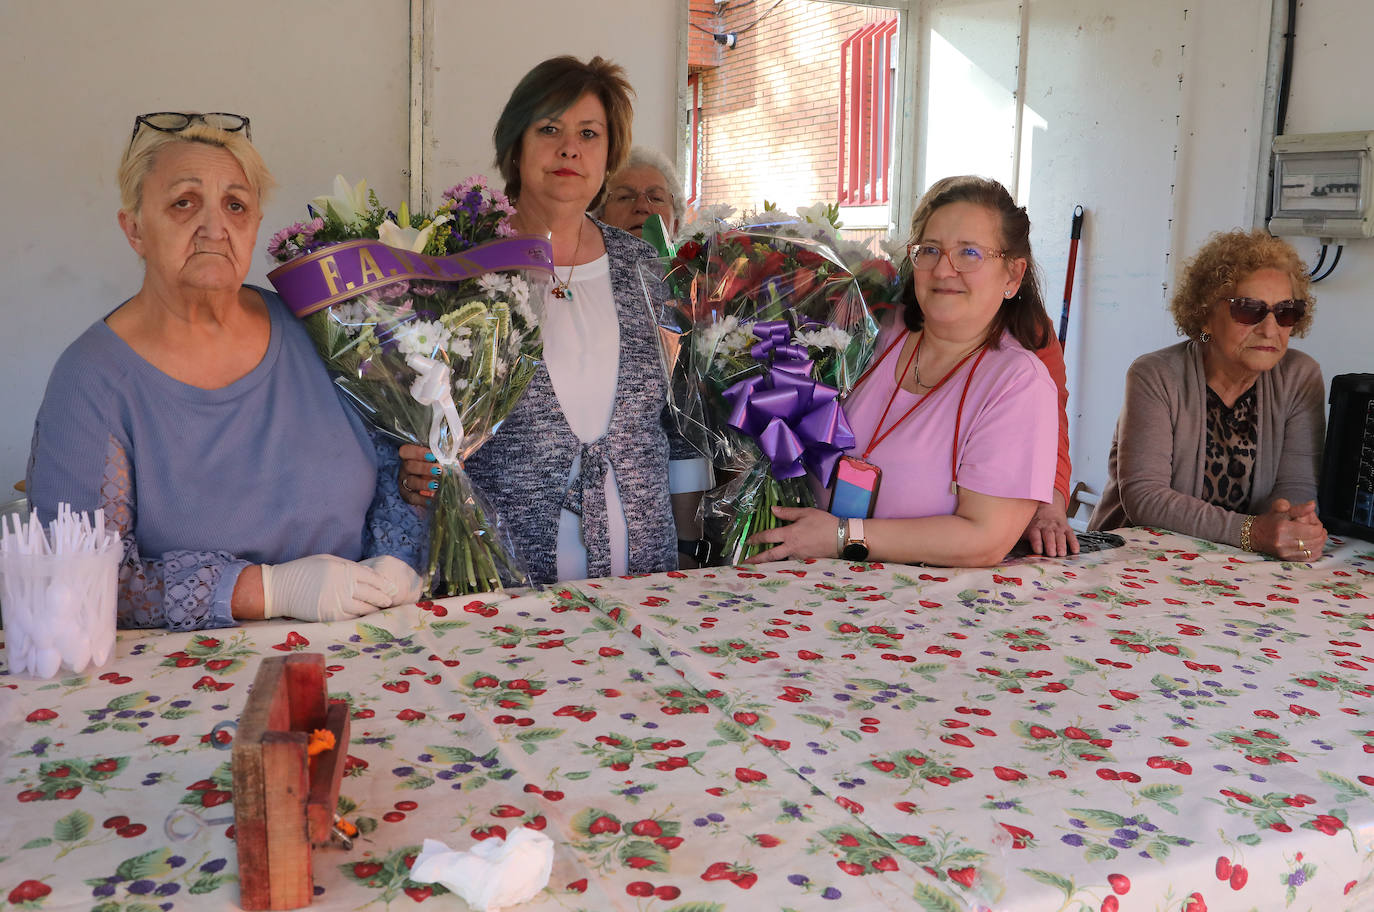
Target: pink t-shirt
<point>1008,435</point>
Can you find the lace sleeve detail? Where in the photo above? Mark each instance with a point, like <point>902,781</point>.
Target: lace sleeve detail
<point>394,527</point>
<point>181,590</point>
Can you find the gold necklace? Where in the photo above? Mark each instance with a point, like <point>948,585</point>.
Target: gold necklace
<point>916,364</point>
<point>560,289</point>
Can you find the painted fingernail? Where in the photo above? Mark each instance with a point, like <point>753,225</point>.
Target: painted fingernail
<point>434,485</point>
<point>436,470</point>
<point>429,457</point>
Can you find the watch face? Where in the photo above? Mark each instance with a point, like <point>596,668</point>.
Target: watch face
<point>855,551</point>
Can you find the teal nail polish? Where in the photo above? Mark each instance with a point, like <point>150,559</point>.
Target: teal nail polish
<point>429,457</point>
<point>436,471</point>
<point>434,485</point>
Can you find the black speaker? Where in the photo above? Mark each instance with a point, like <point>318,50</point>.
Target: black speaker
<point>1345,495</point>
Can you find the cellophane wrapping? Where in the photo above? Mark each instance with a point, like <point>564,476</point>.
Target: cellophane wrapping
<point>763,329</point>
<point>392,351</point>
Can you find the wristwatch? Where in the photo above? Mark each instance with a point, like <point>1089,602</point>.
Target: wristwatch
<point>855,545</point>
<point>699,550</point>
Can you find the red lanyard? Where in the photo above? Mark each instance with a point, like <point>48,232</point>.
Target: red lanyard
<point>879,434</point>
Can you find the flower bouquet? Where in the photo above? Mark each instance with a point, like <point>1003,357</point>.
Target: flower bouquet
<point>763,330</point>
<point>425,323</point>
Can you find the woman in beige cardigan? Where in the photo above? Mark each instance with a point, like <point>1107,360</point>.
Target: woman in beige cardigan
<point>1220,436</point>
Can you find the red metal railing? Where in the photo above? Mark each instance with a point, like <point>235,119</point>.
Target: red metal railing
<point>865,134</point>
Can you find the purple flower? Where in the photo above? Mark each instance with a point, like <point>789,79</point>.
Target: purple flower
<point>1072,839</point>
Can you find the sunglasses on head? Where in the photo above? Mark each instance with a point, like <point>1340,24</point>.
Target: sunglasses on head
<point>175,122</point>
<point>1249,311</point>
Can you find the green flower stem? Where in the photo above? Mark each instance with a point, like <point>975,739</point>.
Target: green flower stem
<point>466,554</point>
<point>750,509</point>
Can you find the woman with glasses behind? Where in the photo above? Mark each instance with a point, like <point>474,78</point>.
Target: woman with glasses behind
<point>174,412</point>
<point>646,186</point>
<point>1220,436</point>
<point>955,421</point>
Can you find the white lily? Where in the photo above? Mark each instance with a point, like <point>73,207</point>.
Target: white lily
<point>412,239</point>
<point>348,202</point>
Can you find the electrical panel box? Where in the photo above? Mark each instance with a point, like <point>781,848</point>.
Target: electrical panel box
<point>1324,185</point>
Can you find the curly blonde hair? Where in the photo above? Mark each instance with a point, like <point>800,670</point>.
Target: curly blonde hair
<point>1227,259</point>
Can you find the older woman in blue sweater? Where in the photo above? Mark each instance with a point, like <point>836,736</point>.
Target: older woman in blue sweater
<point>176,411</point>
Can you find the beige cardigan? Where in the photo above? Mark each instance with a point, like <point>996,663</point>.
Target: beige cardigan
<point>1155,472</point>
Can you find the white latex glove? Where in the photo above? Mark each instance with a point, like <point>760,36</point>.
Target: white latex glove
<point>323,587</point>
<point>406,580</point>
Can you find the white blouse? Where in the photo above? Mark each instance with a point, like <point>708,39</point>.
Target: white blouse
<point>582,354</point>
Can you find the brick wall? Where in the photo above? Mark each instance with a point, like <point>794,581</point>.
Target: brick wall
<point>702,50</point>
<point>770,110</point>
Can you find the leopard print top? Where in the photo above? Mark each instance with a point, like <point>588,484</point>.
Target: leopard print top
<point>1231,446</point>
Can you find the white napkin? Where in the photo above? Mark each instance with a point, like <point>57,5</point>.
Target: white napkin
<point>495,874</point>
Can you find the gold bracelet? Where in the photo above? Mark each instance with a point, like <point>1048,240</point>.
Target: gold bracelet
<point>1245,534</point>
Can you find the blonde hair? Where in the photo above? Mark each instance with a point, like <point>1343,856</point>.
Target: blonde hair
<point>1223,262</point>
<point>141,156</point>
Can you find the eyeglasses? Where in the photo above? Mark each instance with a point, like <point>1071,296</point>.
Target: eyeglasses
<point>627,197</point>
<point>964,258</point>
<point>173,122</point>
<point>1249,311</point>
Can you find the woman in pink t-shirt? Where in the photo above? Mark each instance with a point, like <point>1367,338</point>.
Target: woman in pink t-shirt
<point>956,415</point>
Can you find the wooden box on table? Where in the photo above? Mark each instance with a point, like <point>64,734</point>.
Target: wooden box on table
<point>283,803</point>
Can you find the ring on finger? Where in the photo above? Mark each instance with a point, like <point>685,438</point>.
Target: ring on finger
<point>1302,545</point>
<point>1306,553</point>
<point>405,483</point>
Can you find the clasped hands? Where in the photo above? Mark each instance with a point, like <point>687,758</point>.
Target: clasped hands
<point>324,587</point>
<point>1288,532</point>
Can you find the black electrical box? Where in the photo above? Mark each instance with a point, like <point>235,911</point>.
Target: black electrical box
<point>1345,496</point>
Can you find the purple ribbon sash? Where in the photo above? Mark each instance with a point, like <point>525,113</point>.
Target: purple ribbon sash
<point>340,271</point>
<point>796,420</point>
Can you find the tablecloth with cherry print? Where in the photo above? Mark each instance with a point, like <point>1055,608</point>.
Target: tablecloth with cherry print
<point>1170,725</point>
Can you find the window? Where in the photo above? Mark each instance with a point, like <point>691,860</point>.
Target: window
<point>693,137</point>
<point>867,65</point>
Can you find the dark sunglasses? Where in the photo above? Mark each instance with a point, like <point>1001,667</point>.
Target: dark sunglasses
<point>174,122</point>
<point>1249,311</point>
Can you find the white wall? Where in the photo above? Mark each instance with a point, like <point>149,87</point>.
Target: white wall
<point>321,97</point>
<point>326,83</point>
<point>1146,130</point>
<point>1217,56</point>
<point>467,94</point>
<point>1332,77</point>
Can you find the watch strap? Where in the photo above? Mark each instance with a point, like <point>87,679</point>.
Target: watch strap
<point>699,550</point>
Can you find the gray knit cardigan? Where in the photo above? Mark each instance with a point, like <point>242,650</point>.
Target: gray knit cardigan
<point>524,469</point>
<point>1155,470</point>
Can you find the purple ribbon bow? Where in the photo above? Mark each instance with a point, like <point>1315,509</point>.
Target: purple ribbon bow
<point>796,420</point>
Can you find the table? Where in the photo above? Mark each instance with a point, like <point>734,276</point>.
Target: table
<point>1170,725</point>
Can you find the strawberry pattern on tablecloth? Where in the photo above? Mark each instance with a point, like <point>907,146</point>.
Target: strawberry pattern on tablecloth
<point>1171,725</point>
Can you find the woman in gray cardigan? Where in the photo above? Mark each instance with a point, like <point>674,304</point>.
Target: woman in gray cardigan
<point>586,471</point>
<point>1220,436</point>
